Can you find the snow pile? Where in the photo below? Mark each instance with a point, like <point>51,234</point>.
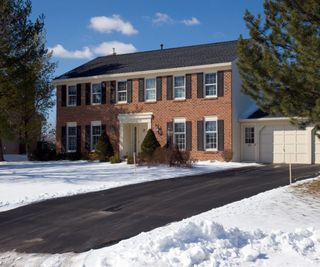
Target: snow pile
<point>275,228</point>
<point>22,183</point>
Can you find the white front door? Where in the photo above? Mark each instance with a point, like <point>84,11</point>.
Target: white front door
<point>248,143</point>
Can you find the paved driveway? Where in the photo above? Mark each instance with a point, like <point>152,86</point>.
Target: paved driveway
<point>103,218</point>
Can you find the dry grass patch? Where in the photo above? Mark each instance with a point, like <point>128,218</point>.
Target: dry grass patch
<point>310,188</point>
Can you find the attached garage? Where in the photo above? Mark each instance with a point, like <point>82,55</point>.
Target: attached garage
<point>276,140</point>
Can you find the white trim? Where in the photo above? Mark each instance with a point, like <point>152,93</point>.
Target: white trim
<point>265,119</point>
<point>174,87</point>
<point>204,85</point>
<point>96,123</point>
<point>210,118</point>
<point>91,94</point>
<point>179,119</point>
<point>71,124</point>
<point>145,89</point>
<point>117,85</point>
<point>75,104</point>
<point>222,66</point>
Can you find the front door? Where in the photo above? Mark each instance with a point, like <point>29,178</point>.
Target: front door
<point>248,143</point>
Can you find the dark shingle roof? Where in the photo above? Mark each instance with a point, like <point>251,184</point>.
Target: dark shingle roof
<point>157,59</point>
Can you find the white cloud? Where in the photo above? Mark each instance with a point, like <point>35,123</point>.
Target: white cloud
<point>106,48</point>
<point>114,23</point>
<point>60,51</point>
<point>103,49</point>
<point>191,22</point>
<point>161,18</point>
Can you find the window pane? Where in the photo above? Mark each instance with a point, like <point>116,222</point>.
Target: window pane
<point>210,78</point>
<point>122,96</point>
<point>72,90</point>
<point>179,127</point>
<point>96,88</point>
<point>179,81</point>
<point>96,130</point>
<point>122,86</point>
<point>179,92</point>
<point>72,100</point>
<point>72,130</point>
<point>150,83</point>
<point>180,141</point>
<point>72,143</point>
<point>211,126</point>
<point>96,98</point>
<point>150,94</point>
<point>211,90</point>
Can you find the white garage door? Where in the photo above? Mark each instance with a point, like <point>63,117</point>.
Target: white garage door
<point>283,144</point>
<point>316,149</point>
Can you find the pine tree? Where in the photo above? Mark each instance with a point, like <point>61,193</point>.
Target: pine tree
<point>149,144</point>
<point>279,64</point>
<point>104,148</point>
<point>26,93</point>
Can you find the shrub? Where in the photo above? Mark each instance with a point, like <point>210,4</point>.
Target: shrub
<point>44,151</point>
<point>149,144</point>
<point>69,156</point>
<point>115,159</point>
<point>104,148</point>
<point>130,160</point>
<point>93,156</point>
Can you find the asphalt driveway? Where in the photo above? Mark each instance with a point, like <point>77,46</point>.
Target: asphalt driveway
<point>103,218</point>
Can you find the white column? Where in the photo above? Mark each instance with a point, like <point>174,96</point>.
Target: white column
<point>310,141</point>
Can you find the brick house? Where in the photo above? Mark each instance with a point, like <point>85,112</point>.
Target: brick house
<point>189,96</point>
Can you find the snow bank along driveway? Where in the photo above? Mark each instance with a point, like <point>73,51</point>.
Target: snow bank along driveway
<point>276,228</point>
<point>24,182</point>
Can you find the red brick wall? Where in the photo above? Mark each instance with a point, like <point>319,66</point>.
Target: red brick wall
<point>193,110</point>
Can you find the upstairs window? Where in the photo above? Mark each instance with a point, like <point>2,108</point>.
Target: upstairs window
<point>179,134</point>
<point>150,90</point>
<point>210,85</point>
<point>122,92</point>
<point>96,94</point>
<point>72,138</point>
<point>210,134</point>
<point>72,95</point>
<point>179,87</point>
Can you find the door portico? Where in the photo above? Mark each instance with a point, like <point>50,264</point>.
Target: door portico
<point>132,130</point>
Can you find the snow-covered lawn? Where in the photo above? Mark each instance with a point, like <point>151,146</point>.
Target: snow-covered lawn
<point>276,228</point>
<point>24,182</point>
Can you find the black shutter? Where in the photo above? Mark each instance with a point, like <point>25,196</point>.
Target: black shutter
<point>169,87</point>
<point>200,135</point>
<point>220,135</point>
<point>200,85</point>
<point>63,139</point>
<point>188,86</point>
<point>169,136</point>
<point>63,95</point>
<point>78,138</point>
<point>220,83</point>
<point>189,136</point>
<point>103,93</point>
<point>129,91</point>
<point>141,90</point>
<point>78,94</point>
<point>88,138</point>
<point>103,128</point>
<point>159,88</point>
<point>113,95</point>
<point>88,93</point>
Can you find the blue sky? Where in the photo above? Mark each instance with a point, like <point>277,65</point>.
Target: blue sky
<point>78,31</point>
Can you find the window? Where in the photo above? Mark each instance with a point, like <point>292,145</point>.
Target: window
<point>179,134</point>
<point>95,134</point>
<point>179,87</point>
<point>96,93</point>
<point>72,138</point>
<point>122,92</point>
<point>249,135</point>
<point>72,95</point>
<point>210,84</point>
<point>150,89</point>
<point>210,134</point>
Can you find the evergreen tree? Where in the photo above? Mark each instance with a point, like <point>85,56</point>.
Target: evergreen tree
<point>279,64</point>
<point>149,144</point>
<point>26,93</point>
<point>104,148</point>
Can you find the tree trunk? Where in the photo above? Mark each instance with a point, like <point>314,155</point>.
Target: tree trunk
<point>1,151</point>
